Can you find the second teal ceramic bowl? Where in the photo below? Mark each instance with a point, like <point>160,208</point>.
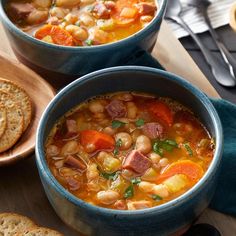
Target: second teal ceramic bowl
<point>61,61</point>
<point>171,218</point>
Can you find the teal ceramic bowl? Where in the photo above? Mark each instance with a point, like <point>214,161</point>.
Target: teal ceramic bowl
<point>61,61</point>
<point>170,218</point>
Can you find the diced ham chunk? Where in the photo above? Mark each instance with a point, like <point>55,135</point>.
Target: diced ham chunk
<point>153,130</point>
<point>136,162</point>
<point>101,10</point>
<point>137,205</point>
<point>146,8</point>
<point>116,109</point>
<point>21,10</point>
<point>75,163</point>
<point>71,127</point>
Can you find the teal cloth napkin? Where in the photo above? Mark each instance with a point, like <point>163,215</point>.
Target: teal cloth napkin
<point>224,199</point>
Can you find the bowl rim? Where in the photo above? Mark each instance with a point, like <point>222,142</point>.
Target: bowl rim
<point>134,37</point>
<point>45,171</point>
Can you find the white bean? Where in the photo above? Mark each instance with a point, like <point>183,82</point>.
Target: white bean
<point>146,18</point>
<point>155,158</point>
<point>67,3</point>
<point>164,162</point>
<point>59,164</point>
<point>131,110</point>
<point>87,20</point>
<point>102,155</point>
<point>93,186</point>
<point>70,19</point>
<point>146,186</point>
<point>77,32</point>
<point>109,130</point>
<point>96,107</point>
<point>59,12</point>
<point>143,144</point>
<point>70,148</point>
<point>161,190</point>
<point>126,140</point>
<point>37,17</point>
<point>108,197</point>
<point>136,205</point>
<point>135,134</point>
<point>52,150</point>
<point>99,36</point>
<point>92,172</point>
<point>43,3</point>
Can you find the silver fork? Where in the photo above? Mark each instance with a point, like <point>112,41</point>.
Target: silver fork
<point>220,71</point>
<point>202,6</point>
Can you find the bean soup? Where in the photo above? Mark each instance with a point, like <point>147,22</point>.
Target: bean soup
<point>81,22</point>
<point>129,150</point>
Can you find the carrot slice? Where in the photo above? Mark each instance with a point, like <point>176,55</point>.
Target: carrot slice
<point>59,36</point>
<point>125,13</point>
<point>186,167</point>
<point>97,139</point>
<point>161,111</point>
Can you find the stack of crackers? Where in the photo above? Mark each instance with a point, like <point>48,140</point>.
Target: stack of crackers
<point>12,224</point>
<point>15,113</point>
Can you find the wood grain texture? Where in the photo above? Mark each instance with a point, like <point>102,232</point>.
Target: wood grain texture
<point>20,186</point>
<point>174,58</point>
<point>37,89</point>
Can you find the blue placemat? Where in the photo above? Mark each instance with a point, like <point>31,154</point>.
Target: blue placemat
<point>224,199</point>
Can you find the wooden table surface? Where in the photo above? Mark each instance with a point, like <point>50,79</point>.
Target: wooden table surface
<point>20,187</point>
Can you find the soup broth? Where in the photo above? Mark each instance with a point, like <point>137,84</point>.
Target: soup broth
<point>129,150</point>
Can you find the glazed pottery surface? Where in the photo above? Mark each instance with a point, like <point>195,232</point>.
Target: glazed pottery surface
<point>54,60</point>
<point>166,219</point>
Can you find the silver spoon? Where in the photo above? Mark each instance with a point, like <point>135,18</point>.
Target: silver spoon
<point>203,5</point>
<point>220,72</point>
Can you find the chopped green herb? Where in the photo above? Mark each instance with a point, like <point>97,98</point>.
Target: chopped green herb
<point>136,180</point>
<point>139,122</point>
<point>171,142</point>
<point>167,145</point>
<point>117,124</point>
<point>108,176</point>
<point>117,146</point>
<point>129,192</point>
<point>89,42</point>
<point>157,149</point>
<point>188,149</point>
<point>156,197</point>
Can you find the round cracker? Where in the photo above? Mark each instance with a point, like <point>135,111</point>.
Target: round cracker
<point>12,224</point>
<point>41,231</point>
<point>15,122</point>
<point>20,97</point>
<point>3,119</point>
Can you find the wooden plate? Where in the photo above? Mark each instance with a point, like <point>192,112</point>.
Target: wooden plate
<point>40,93</point>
